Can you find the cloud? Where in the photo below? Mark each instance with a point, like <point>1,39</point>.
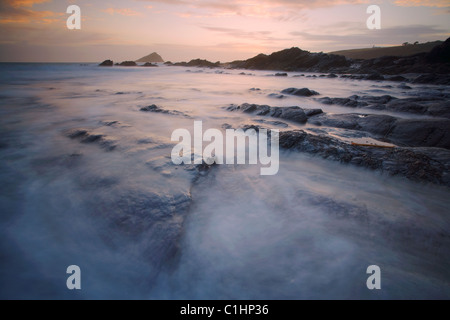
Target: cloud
<point>385,36</point>
<point>278,9</point>
<point>25,3</point>
<point>20,11</point>
<point>423,3</point>
<point>242,34</point>
<point>124,12</point>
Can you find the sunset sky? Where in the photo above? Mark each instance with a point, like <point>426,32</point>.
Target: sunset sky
<point>181,30</point>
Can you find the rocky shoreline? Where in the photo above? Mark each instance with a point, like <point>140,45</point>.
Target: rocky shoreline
<point>416,149</point>
<point>423,68</point>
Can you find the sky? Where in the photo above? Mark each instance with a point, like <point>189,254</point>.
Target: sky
<point>216,30</point>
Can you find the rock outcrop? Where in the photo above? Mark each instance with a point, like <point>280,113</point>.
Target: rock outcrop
<point>106,63</point>
<point>151,58</point>
<point>294,59</point>
<point>128,64</point>
<point>198,63</point>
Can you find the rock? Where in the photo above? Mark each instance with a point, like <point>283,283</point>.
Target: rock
<point>332,76</point>
<point>148,64</point>
<point>379,125</point>
<point>198,63</point>
<point>433,78</point>
<point>281,75</point>
<point>305,92</point>
<point>106,63</point>
<point>128,64</point>
<point>377,100</point>
<point>156,109</point>
<point>406,105</point>
<point>346,102</point>
<point>151,58</point>
<point>440,53</point>
<point>312,112</point>
<point>293,59</point>
<point>295,114</point>
<point>375,77</point>
<point>273,123</point>
<point>85,136</point>
<point>277,96</point>
<point>416,164</point>
<point>421,133</point>
<point>397,79</point>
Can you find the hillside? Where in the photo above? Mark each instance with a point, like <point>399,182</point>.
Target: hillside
<point>398,51</point>
<point>152,58</point>
<point>293,59</point>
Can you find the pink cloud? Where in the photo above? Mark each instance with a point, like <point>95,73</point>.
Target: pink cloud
<point>21,12</point>
<point>124,12</point>
<point>278,9</point>
<point>423,3</point>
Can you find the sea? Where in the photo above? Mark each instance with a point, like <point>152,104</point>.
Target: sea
<point>86,179</point>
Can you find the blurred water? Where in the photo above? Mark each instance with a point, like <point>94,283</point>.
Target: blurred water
<point>141,228</point>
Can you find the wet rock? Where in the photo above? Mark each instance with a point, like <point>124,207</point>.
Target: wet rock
<point>277,96</point>
<point>397,79</point>
<point>85,136</point>
<point>281,75</point>
<point>312,112</point>
<point>272,123</point>
<point>155,109</point>
<point>426,165</point>
<point>432,78</point>
<point>434,104</point>
<point>377,100</point>
<point>304,92</point>
<point>379,125</point>
<point>421,133</point>
<point>351,102</point>
<point>375,77</point>
<point>295,114</point>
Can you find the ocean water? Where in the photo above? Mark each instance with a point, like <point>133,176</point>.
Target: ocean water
<point>141,228</point>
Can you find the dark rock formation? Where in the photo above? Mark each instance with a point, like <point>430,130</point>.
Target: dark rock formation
<point>85,136</point>
<point>106,63</point>
<point>149,64</point>
<point>434,66</point>
<point>151,58</point>
<point>294,59</point>
<point>295,114</point>
<point>440,54</point>
<point>155,109</point>
<point>419,164</point>
<point>128,64</point>
<point>433,105</point>
<point>198,63</point>
<point>305,92</point>
<point>404,132</point>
